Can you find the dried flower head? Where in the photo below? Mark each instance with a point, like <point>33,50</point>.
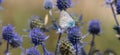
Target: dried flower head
<point>63,4</point>
<point>37,36</point>
<point>66,48</point>
<point>32,51</point>
<point>36,22</point>
<point>94,27</point>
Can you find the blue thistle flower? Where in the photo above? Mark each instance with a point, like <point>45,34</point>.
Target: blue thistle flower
<point>32,51</point>
<point>63,4</point>
<point>16,41</point>
<point>118,6</point>
<point>8,32</point>
<point>94,27</point>
<point>11,37</point>
<point>48,4</point>
<point>1,1</point>
<point>73,34</point>
<point>37,36</point>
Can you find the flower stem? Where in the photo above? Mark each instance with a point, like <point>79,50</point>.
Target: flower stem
<point>117,23</point>
<point>57,45</point>
<point>92,45</point>
<point>76,47</point>
<point>44,49</point>
<point>7,48</point>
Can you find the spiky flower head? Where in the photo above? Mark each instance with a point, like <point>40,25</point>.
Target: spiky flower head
<point>37,36</point>
<point>32,51</point>
<point>48,4</point>
<point>118,6</point>
<point>8,32</point>
<point>63,4</point>
<point>94,27</point>
<point>66,48</point>
<point>16,41</point>
<point>73,34</point>
<point>36,22</point>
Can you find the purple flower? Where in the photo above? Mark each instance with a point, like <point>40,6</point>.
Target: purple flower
<point>16,41</point>
<point>48,4</point>
<point>8,32</point>
<point>94,27</point>
<point>63,4</point>
<point>32,51</point>
<point>1,1</point>
<point>37,36</point>
<point>73,34</point>
<point>118,6</point>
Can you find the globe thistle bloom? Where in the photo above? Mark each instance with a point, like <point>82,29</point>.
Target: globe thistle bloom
<point>66,48</point>
<point>8,32</point>
<point>16,41</point>
<point>73,34</point>
<point>32,51</point>
<point>94,27</point>
<point>118,6</point>
<point>36,22</point>
<point>63,4</point>
<point>1,1</point>
<point>37,36</point>
<point>48,4</point>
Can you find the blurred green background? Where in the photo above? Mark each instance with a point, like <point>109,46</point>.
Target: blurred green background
<point>18,12</point>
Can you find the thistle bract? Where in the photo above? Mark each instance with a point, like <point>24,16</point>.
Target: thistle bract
<point>37,36</point>
<point>66,20</point>
<point>36,22</point>
<point>48,4</point>
<point>32,51</point>
<point>8,32</point>
<point>63,4</point>
<point>118,6</point>
<point>73,34</point>
<point>94,27</point>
